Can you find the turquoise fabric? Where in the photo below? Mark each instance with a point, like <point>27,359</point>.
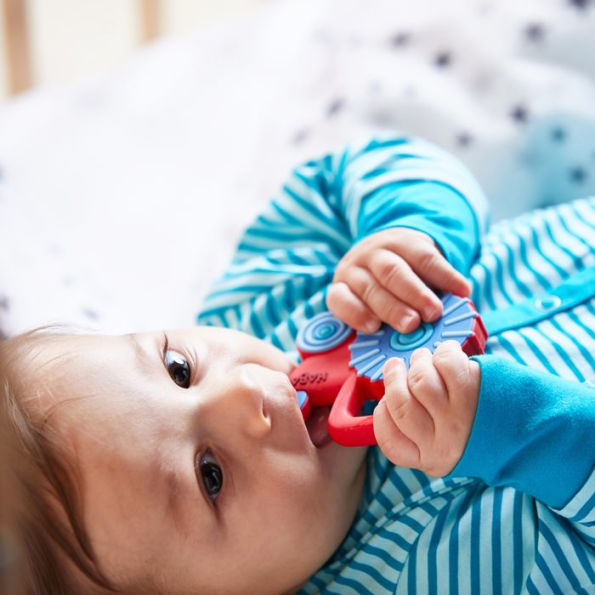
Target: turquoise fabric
<point>434,208</point>
<point>515,439</point>
<point>523,519</point>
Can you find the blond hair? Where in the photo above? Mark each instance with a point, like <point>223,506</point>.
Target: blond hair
<point>51,547</point>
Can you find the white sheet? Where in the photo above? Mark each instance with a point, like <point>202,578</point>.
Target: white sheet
<point>122,196</point>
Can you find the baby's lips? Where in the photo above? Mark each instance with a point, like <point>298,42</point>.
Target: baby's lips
<point>304,404</point>
<point>316,420</point>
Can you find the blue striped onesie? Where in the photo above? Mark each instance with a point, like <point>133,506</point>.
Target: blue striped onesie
<point>517,514</point>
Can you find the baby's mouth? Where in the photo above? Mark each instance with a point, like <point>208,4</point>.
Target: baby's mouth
<point>317,426</point>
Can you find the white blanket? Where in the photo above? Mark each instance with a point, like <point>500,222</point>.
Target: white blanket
<point>122,195</point>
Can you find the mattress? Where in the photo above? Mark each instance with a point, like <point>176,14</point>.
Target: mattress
<point>123,195</point>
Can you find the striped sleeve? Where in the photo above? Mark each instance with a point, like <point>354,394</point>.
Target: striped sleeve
<point>287,257</point>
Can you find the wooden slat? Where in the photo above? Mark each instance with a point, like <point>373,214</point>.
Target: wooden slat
<point>150,19</point>
<point>16,39</point>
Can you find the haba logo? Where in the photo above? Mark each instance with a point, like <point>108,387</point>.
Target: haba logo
<point>306,379</point>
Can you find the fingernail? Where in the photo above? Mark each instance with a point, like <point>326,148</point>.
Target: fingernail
<point>418,352</point>
<point>407,323</point>
<point>431,313</point>
<point>391,364</point>
<point>371,327</point>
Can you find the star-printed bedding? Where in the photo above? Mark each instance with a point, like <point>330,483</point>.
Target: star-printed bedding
<point>122,195</point>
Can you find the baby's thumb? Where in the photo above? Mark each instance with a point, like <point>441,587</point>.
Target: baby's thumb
<point>438,273</point>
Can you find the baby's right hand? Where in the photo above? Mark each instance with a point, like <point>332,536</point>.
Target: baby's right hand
<point>389,277</point>
<point>424,419</point>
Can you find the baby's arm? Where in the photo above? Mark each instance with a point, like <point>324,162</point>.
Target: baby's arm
<point>287,258</point>
<point>419,218</point>
<point>533,431</point>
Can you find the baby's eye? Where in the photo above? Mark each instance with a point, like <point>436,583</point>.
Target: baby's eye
<point>178,368</point>
<point>210,474</point>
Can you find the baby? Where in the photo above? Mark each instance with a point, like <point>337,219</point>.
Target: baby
<point>179,462</point>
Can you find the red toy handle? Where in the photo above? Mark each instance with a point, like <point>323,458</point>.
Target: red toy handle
<point>345,424</point>
<point>343,368</point>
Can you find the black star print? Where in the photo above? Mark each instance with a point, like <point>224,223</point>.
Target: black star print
<point>535,32</point>
<point>443,59</point>
<point>400,39</point>
<point>4,302</point>
<point>299,137</point>
<point>464,139</point>
<point>558,134</point>
<point>519,114</point>
<point>578,174</point>
<point>90,313</point>
<point>580,4</point>
<point>334,107</point>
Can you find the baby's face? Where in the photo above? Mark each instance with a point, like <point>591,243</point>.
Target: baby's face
<point>197,472</point>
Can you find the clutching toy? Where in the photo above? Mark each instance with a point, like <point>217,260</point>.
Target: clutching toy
<point>342,368</point>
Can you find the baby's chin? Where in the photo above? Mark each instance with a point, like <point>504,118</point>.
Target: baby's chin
<point>342,461</point>
<point>344,494</point>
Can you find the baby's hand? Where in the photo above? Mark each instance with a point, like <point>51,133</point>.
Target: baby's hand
<point>424,419</point>
<point>386,278</point>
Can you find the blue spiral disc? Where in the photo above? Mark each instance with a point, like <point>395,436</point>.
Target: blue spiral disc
<point>370,351</point>
<point>322,333</point>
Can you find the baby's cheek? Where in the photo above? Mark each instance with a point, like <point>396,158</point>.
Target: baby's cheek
<point>307,504</point>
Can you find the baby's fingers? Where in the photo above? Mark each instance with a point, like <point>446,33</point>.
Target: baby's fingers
<point>347,306</point>
<point>426,384</point>
<point>429,263</point>
<point>460,376</point>
<point>400,281</point>
<point>375,299</point>
<point>402,425</point>
<point>396,447</point>
<point>452,363</point>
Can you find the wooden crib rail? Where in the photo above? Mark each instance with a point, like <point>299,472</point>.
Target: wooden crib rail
<point>16,46</point>
<point>150,19</point>
<point>17,38</point>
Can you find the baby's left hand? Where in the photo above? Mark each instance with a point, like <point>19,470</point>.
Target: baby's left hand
<point>425,417</point>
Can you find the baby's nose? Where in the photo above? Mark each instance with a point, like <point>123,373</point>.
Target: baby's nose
<point>243,403</point>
